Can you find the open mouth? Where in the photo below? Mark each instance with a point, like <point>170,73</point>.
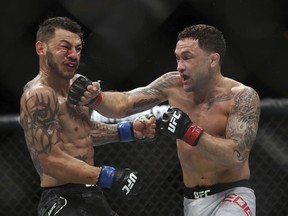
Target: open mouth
<point>185,77</point>
<point>71,65</point>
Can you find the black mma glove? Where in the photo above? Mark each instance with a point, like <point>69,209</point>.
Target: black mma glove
<point>77,89</point>
<point>177,124</point>
<point>124,182</point>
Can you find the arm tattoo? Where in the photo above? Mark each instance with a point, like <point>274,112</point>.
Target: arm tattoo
<point>41,126</point>
<point>243,122</point>
<point>103,133</point>
<point>221,98</point>
<point>155,90</point>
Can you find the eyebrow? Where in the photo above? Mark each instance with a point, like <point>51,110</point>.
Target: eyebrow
<point>65,41</point>
<point>184,52</point>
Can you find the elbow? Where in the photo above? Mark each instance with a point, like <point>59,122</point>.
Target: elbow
<point>239,159</point>
<point>46,164</point>
<point>236,164</point>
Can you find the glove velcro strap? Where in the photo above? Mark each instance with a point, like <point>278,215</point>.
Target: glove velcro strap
<point>192,134</point>
<point>95,102</point>
<point>125,131</point>
<point>106,177</point>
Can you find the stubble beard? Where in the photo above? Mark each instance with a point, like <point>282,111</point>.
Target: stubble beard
<point>54,68</point>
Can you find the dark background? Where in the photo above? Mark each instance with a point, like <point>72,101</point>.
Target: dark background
<point>129,43</point>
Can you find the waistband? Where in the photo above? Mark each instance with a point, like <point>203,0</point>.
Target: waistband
<point>204,191</point>
<point>70,186</point>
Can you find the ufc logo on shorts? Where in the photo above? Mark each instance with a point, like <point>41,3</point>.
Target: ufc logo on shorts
<point>201,194</point>
<point>131,181</point>
<point>238,200</point>
<point>173,123</point>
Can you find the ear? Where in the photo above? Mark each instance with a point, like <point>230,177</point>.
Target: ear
<point>40,48</point>
<point>214,59</point>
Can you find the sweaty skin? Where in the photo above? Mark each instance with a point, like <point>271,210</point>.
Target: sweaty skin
<point>226,109</point>
<point>60,136</point>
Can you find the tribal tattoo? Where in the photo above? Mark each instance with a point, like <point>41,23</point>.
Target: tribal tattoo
<point>41,126</point>
<point>103,133</point>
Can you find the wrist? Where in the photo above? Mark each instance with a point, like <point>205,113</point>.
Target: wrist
<point>95,102</point>
<point>125,131</point>
<point>106,177</point>
<point>193,134</point>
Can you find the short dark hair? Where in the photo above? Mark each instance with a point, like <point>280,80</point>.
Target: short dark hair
<point>209,38</point>
<point>47,28</point>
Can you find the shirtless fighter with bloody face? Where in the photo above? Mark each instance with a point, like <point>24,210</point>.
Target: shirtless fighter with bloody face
<point>61,136</point>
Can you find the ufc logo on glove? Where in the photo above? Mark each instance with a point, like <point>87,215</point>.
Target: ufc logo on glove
<point>173,124</point>
<point>131,180</point>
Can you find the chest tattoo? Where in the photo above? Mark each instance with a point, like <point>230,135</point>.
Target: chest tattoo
<point>220,98</point>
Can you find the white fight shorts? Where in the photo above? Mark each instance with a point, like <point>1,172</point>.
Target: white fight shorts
<point>225,199</point>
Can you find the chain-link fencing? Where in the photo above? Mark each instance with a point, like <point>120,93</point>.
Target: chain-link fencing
<point>162,193</point>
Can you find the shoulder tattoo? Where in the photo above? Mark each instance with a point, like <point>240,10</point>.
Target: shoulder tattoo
<point>40,123</point>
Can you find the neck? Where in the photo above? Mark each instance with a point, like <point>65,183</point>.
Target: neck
<point>210,90</point>
<point>58,84</point>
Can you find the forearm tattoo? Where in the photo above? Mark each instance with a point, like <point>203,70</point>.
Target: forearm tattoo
<point>41,127</point>
<point>103,133</point>
<point>243,122</point>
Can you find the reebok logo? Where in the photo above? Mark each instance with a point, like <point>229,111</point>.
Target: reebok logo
<point>131,181</point>
<point>173,122</point>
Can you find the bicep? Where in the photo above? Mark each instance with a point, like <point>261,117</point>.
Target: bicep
<point>39,119</point>
<point>243,121</point>
<point>153,94</point>
<point>144,98</point>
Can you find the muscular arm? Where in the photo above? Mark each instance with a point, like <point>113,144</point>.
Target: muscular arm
<point>103,133</point>
<point>43,134</point>
<point>241,131</point>
<point>106,133</point>
<point>121,104</point>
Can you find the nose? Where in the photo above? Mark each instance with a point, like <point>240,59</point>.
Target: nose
<point>73,53</point>
<point>180,66</point>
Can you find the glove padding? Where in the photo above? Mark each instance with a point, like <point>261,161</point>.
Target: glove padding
<point>127,183</point>
<point>177,125</point>
<point>124,182</point>
<point>77,89</point>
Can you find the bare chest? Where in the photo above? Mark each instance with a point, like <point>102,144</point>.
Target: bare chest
<point>74,120</point>
<point>213,117</point>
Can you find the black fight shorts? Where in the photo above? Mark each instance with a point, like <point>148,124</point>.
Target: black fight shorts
<point>72,200</point>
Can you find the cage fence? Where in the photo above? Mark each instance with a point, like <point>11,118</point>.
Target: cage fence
<point>162,191</point>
